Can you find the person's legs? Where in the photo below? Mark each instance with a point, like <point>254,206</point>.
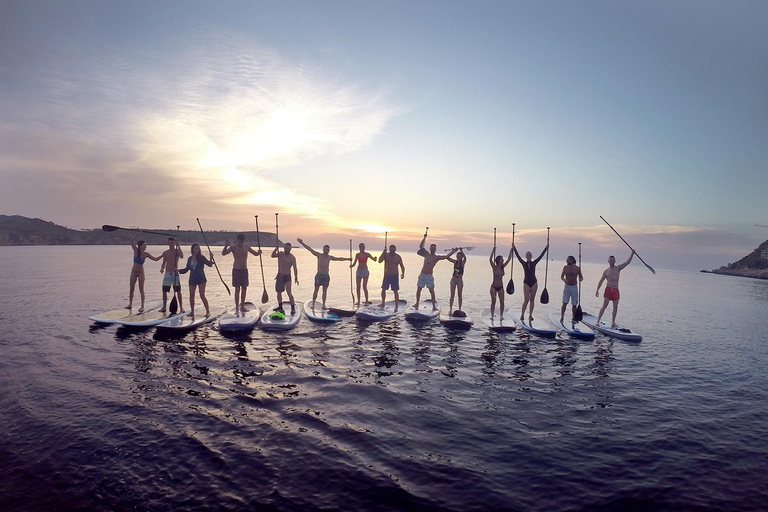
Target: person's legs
<point>359,280</point>
<point>501,303</point>
<point>450,301</point>
<point>432,294</point>
<point>418,296</point>
<point>532,302</point>
<point>562,311</point>
<point>325,293</point>
<point>493,300</point>
<point>606,300</point>
<point>242,298</point>
<point>132,282</point>
<point>615,310</point>
<point>526,298</point>
<point>460,287</point>
<point>365,289</point>
<point>141,291</point>
<point>192,300</point>
<point>203,299</point>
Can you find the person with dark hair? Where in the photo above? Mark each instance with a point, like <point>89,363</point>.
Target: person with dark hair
<point>197,279</point>
<point>457,280</point>
<point>140,255</point>
<point>611,294</point>
<point>497,285</point>
<point>571,275</point>
<point>170,272</point>
<point>392,261</point>
<point>362,272</point>
<point>323,277</point>
<point>285,262</point>
<point>426,277</point>
<point>530,284</point>
<point>239,268</point>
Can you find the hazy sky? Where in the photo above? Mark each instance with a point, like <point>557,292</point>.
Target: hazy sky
<point>354,117</point>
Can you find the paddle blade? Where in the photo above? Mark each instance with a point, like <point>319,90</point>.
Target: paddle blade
<point>545,297</point>
<point>264,297</point>
<point>579,314</point>
<point>650,268</point>
<point>510,287</point>
<point>108,228</point>
<point>174,306</point>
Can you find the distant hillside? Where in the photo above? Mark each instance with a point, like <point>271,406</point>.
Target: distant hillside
<point>18,230</point>
<point>752,265</point>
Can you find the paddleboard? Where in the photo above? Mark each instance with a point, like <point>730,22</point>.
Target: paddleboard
<point>455,322</point>
<point>111,317</point>
<point>316,312</point>
<point>186,322</point>
<point>575,329</point>
<point>147,319</point>
<point>424,313</point>
<point>494,324</point>
<point>280,324</point>
<point>376,313</point>
<point>605,328</point>
<point>537,326</point>
<point>235,320</point>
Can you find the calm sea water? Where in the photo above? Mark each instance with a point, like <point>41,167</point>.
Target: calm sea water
<point>378,416</point>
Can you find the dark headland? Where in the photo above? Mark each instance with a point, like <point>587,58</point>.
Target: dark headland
<point>755,264</point>
<point>18,230</point>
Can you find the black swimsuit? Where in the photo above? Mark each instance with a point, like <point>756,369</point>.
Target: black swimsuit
<point>529,267</point>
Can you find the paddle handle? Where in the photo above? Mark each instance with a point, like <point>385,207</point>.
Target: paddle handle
<point>261,262</point>
<point>622,239</point>
<point>277,235</point>
<point>546,263</point>
<point>214,261</point>
<point>351,288</point>
<point>579,271</point>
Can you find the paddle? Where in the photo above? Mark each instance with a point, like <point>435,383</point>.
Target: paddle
<point>622,239</point>
<point>471,247</point>
<point>264,295</point>
<point>351,290</point>
<point>173,307</point>
<point>545,294</point>
<point>511,284</point>
<point>108,228</point>
<point>213,261</point>
<point>579,314</point>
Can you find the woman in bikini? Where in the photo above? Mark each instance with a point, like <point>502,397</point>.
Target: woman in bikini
<point>362,273</point>
<point>457,281</point>
<point>497,286</point>
<point>530,285</point>
<point>140,255</point>
<point>197,277</point>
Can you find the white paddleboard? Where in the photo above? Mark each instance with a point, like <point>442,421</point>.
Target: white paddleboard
<point>148,319</point>
<point>424,312</point>
<point>495,324</point>
<point>455,322</point>
<point>235,320</point>
<point>280,324</point>
<point>575,329</point>
<point>537,326</point>
<point>186,322</point>
<point>376,313</point>
<point>111,317</point>
<point>605,328</point>
<point>316,312</point>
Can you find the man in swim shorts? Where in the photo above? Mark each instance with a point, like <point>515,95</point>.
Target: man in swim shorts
<point>426,278</point>
<point>391,261</point>
<point>285,262</point>
<point>239,268</point>
<point>170,270</point>
<point>611,277</point>
<point>322,278</point>
<point>571,275</point>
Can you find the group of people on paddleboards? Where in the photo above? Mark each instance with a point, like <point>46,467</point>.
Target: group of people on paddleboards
<point>394,271</point>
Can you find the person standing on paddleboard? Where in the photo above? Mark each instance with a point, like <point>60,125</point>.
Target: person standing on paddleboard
<point>457,281</point>
<point>170,271</point>
<point>362,272</point>
<point>391,261</point>
<point>426,277</point>
<point>140,255</point>
<point>197,279</point>
<point>530,284</point>
<point>571,275</point>
<point>285,262</point>
<point>239,268</point>
<point>497,286</point>
<point>323,276</point>
<point>611,294</point>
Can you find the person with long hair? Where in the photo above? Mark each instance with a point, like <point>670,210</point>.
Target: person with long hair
<point>140,255</point>
<point>457,280</point>
<point>530,284</point>
<point>362,273</point>
<point>197,279</point>
<point>497,286</point>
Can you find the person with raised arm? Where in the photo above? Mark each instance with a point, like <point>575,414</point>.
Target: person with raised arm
<point>497,285</point>
<point>392,261</point>
<point>530,284</point>
<point>457,280</point>
<point>362,272</point>
<point>140,255</point>
<point>611,294</point>
<point>426,277</point>
<point>170,271</point>
<point>239,268</point>
<point>197,279</point>
<point>571,275</point>
<point>285,262</point>
<point>323,276</point>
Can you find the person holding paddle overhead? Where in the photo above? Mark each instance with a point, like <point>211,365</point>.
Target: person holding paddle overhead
<point>530,284</point>
<point>140,255</point>
<point>239,268</point>
<point>391,261</point>
<point>197,279</point>
<point>170,269</point>
<point>497,286</point>
<point>457,280</point>
<point>611,294</point>
<point>571,275</point>
<point>362,272</point>
<point>285,262</point>
<point>426,278</point>
<point>323,277</point>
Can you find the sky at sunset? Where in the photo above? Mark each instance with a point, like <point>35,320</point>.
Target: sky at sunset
<point>352,118</point>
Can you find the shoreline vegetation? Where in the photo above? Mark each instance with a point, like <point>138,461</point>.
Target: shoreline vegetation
<point>753,265</point>
<point>17,230</point>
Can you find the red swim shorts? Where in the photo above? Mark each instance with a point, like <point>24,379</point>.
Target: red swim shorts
<point>611,293</point>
